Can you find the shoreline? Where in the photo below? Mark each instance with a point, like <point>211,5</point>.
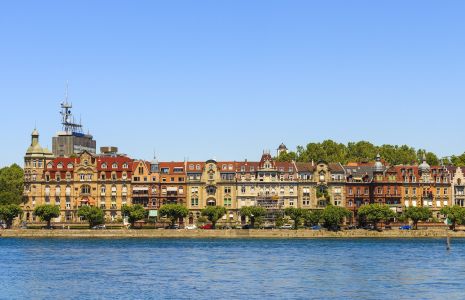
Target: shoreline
<point>225,234</point>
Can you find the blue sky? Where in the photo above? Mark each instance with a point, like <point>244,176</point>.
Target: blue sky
<point>227,79</point>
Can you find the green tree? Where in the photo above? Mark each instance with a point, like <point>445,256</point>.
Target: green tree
<point>417,214</point>
<point>361,151</point>
<point>374,213</point>
<point>333,152</point>
<point>11,185</point>
<point>296,214</point>
<point>9,212</point>
<point>173,212</point>
<point>333,216</point>
<point>455,214</point>
<point>458,161</point>
<point>47,212</point>
<point>92,214</point>
<point>253,212</point>
<point>213,214</point>
<point>313,217</point>
<point>279,222</point>
<point>134,213</point>
<point>287,157</point>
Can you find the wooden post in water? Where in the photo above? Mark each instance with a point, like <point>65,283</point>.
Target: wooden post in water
<point>447,241</point>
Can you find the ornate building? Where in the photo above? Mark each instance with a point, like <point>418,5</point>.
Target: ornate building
<point>425,186</point>
<point>458,185</point>
<point>110,180</point>
<point>71,182</point>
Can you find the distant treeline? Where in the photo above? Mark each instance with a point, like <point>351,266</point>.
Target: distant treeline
<point>364,151</point>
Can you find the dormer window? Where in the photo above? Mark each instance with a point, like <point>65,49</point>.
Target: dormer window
<point>49,165</point>
<point>60,166</point>
<point>197,167</point>
<point>114,166</point>
<point>104,166</point>
<point>70,166</point>
<point>86,162</point>
<point>125,165</point>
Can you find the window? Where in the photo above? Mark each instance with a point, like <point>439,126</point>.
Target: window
<point>306,201</point>
<point>103,190</point>
<point>85,189</point>
<point>102,176</point>
<point>243,189</point>
<point>114,166</point>
<point>227,190</point>
<point>49,165</point>
<point>227,202</point>
<point>82,177</point>
<point>125,165</point>
<point>194,201</point>
<point>165,170</point>
<point>104,166</point>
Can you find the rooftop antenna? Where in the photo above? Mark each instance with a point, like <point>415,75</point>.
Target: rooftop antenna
<point>67,119</point>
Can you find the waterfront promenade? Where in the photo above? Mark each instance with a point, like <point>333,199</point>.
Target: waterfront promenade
<point>228,234</point>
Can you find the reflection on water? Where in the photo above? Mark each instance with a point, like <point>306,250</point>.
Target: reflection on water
<point>241,269</point>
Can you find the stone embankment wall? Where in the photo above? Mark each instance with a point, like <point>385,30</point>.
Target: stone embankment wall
<point>235,233</point>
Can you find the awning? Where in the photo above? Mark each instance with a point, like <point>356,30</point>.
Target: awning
<point>172,189</point>
<point>140,188</point>
<point>88,200</point>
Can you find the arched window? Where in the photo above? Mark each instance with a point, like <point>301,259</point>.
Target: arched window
<point>125,165</point>
<point>114,166</point>
<point>60,166</point>
<point>49,165</point>
<point>70,166</point>
<point>211,202</point>
<point>104,166</point>
<point>85,189</point>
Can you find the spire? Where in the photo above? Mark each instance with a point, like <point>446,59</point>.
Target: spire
<point>34,137</point>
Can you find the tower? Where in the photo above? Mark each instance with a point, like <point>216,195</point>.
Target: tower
<point>281,149</point>
<point>71,140</point>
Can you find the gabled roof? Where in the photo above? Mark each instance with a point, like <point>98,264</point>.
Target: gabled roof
<point>305,167</point>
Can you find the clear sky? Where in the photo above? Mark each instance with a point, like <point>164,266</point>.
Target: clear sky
<point>227,79</point>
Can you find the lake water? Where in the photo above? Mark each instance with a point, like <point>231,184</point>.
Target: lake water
<point>231,269</point>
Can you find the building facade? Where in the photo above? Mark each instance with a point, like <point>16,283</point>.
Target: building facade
<point>110,180</point>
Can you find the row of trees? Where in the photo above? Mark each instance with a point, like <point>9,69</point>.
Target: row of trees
<point>332,151</point>
<point>331,217</point>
